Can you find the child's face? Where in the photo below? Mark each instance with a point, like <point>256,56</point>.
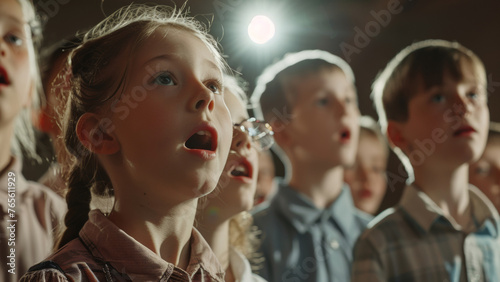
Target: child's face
<point>239,179</point>
<point>324,128</point>
<point>485,173</point>
<point>171,122</point>
<point>15,75</point>
<point>367,177</point>
<point>447,125</point>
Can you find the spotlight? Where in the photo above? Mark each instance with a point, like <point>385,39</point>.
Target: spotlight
<point>261,29</point>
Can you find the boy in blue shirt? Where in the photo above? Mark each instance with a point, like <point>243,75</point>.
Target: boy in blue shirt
<point>311,225</point>
<point>432,103</point>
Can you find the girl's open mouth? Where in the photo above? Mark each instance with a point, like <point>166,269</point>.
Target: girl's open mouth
<point>241,168</point>
<point>345,136</point>
<point>4,78</point>
<point>203,142</point>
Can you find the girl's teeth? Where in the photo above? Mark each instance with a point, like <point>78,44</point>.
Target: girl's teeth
<point>240,171</point>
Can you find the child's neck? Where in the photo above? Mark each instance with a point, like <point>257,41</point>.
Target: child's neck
<point>217,236</point>
<point>448,189</point>
<point>6,135</point>
<point>168,235</point>
<point>322,186</point>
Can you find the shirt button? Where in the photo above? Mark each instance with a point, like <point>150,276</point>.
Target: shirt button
<point>334,244</point>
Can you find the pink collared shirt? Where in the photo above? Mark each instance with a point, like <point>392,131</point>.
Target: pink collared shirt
<point>30,214</point>
<point>106,253</point>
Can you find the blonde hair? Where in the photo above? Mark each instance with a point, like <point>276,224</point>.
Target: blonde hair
<point>93,84</point>
<point>24,133</point>
<point>423,63</point>
<point>243,236</point>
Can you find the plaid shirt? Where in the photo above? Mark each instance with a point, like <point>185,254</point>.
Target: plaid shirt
<point>106,253</point>
<point>415,242</point>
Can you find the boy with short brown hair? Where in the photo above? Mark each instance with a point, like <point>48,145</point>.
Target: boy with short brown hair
<point>432,103</point>
<point>311,225</point>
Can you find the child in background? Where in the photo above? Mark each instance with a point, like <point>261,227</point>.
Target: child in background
<point>151,125</point>
<point>485,173</point>
<point>30,212</point>
<point>310,226</point>
<point>266,186</point>
<point>432,104</point>
<point>224,220</point>
<point>367,178</point>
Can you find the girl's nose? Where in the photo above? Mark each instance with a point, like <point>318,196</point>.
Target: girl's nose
<point>203,98</point>
<point>241,140</point>
<point>3,48</point>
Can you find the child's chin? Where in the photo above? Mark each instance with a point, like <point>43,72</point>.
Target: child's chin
<point>205,189</point>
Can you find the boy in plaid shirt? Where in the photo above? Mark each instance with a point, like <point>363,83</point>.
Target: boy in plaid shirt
<point>432,103</point>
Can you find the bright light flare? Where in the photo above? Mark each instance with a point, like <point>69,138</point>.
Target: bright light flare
<point>261,29</point>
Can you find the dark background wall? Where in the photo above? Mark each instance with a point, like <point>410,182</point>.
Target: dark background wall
<point>366,33</point>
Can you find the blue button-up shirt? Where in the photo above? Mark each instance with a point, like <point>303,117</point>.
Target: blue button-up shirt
<point>416,242</point>
<point>303,243</point>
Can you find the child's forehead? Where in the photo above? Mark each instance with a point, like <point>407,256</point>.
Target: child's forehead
<point>11,12</point>
<point>467,75</point>
<point>174,44</point>
<point>459,68</point>
<point>302,85</point>
<point>236,106</point>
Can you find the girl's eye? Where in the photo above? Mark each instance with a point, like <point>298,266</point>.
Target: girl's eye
<point>437,98</point>
<point>164,79</point>
<point>322,102</point>
<point>14,40</point>
<point>483,170</point>
<point>473,95</point>
<point>350,100</point>
<point>214,87</point>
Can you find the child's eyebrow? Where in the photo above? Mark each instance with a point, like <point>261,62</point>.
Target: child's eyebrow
<point>12,19</point>
<point>163,57</point>
<point>212,65</point>
<point>172,57</point>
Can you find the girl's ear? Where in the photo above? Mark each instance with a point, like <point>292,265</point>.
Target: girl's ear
<point>95,135</point>
<point>395,135</point>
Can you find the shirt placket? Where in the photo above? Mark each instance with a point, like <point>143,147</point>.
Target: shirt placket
<point>473,259</point>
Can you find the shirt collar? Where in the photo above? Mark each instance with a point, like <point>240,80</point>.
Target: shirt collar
<point>302,213</point>
<point>111,244</point>
<point>240,266</point>
<point>426,213</point>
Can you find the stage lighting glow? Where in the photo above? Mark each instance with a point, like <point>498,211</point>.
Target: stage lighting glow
<point>261,29</point>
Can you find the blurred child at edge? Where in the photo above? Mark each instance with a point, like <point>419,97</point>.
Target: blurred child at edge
<point>30,212</point>
<point>485,172</point>
<point>367,178</point>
